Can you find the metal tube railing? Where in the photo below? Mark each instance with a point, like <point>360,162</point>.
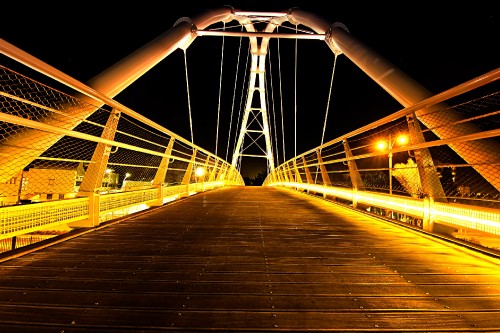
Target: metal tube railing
<point>470,201</point>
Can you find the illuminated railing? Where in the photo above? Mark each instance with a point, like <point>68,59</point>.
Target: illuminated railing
<point>444,178</point>
<point>72,157</point>
<point>23,219</point>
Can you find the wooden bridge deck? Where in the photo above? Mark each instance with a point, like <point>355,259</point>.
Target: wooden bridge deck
<point>250,259</point>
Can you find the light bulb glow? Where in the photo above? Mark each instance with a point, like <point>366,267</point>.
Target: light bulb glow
<point>200,171</point>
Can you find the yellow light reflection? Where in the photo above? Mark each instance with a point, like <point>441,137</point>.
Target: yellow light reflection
<point>455,214</point>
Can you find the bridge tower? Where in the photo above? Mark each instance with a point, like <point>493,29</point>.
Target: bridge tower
<point>255,123</point>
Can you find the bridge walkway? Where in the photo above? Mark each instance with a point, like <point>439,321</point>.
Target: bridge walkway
<point>250,259</point>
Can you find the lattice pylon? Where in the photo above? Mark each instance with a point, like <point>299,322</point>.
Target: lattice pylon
<point>258,126</point>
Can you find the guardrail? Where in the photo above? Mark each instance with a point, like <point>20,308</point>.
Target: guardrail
<point>73,157</point>
<point>435,165</point>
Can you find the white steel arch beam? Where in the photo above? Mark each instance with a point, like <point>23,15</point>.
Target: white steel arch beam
<point>116,78</point>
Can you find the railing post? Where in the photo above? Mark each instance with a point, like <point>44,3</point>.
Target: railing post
<point>213,173</point>
<point>162,172</point>
<point>298,178</point>
<point>308,174</point>
<point>324,173</point>
<point>92,180</point>
<point>278,174</point>
<point>205,173</point>
<point>428,219</point>
<point>189,170</point>
<point>356,180</point>
<point>290,174</point>
<point>285,171</point>
<point>94,209</point>
<point>222,173</point>
<point>229,174</point>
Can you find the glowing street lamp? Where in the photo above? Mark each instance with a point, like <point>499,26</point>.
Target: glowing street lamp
<point>401,140</point>
<point>199,171</point>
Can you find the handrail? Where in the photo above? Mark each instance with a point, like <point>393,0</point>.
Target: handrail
<point>430,186</point>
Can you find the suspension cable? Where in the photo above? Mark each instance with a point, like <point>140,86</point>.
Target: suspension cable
<point>220,90</point>
<point>281,102</point>
<point>329,96</point>
<point>272,103</point>
<point>326,111</point>
<point>295,93</point>
<point>189,98</point>
<point>268,118</point>
<point>234,96</point>
<point>241,102</point>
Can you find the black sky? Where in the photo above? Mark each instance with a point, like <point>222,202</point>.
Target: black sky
<point>438,47</point>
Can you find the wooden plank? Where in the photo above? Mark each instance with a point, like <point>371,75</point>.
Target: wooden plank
<point>250,259</point>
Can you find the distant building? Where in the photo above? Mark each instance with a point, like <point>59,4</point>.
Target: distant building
<point>38,185</point>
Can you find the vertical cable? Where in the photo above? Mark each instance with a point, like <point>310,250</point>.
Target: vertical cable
<point>272,104</point>
<point>243,96</point>
<point>326,112</point>
<point>295,94</point>
<point>281,101</point>
<point>189,98</point>
<point>234,96</point>
<point>220,90</point>
<point>329,96</point>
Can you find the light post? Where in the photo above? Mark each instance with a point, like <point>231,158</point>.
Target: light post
<point>124,179</point>
<point>390,169</point>
<point>401,140</point>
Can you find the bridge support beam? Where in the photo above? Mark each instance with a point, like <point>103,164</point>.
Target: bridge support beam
<point>221,176</point>
<point>162,172</point>
<point>308,174</point>
<point>213,173</point>
<point>298,177</point>
<point>92,180</point>
<point>324,173</point>
<point>429,179</point>
<point>357,182</point>
<point>186,180</point>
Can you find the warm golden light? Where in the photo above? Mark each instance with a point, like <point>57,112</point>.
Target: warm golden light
<point>402,140</point>
<point>200,171</point>
<point>381,145</point>
<point>486,220</point>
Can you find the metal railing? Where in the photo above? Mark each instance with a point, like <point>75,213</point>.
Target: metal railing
<point>442,177</point>
<point>72,157</point>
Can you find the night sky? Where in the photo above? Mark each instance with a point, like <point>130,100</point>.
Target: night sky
<point>439,47</point>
